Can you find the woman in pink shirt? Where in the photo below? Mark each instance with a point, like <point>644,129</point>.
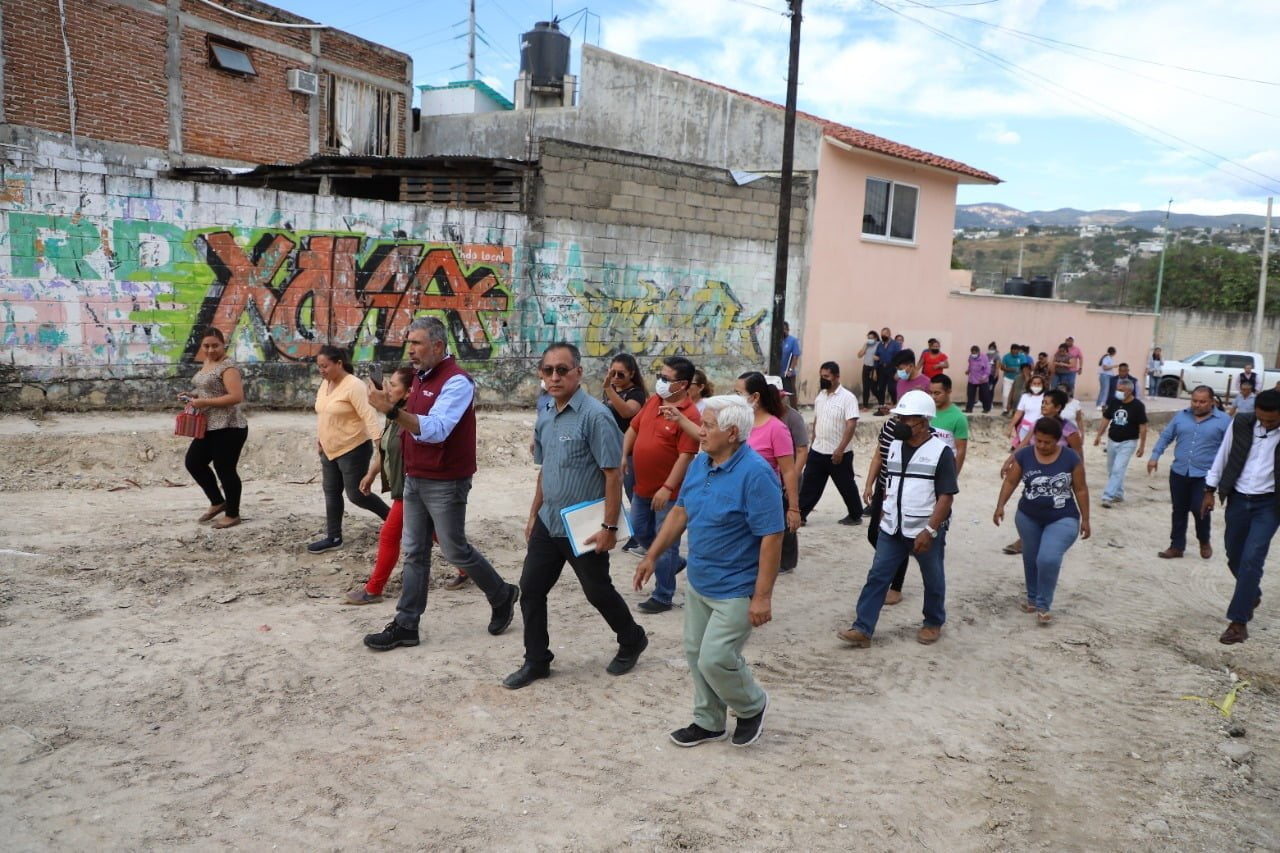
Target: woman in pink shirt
<point>771,438</point>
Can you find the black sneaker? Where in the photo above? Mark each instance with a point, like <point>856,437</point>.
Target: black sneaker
<point>328,543</point>
<point>850,521</point>
<point>749,729</point>
<point>652,605</point>
<point>694,734</point>
<point>625,660</point>
<point>391,636</point>
<point>504,613</point>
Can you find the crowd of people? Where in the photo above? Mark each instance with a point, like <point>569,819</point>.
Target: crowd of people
<point>719,486</point>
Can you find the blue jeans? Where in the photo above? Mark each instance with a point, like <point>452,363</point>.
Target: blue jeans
<point>1043,546</point>
<point>1251,523</point>
<point>439,507</point>
<point>645,524</point>
<point>891,550</point>
<point>1068,380</point>
<point>1118,455</point>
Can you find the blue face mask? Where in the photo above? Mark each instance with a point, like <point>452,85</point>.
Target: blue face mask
<point>904,374</point>
<point>1120,395</point>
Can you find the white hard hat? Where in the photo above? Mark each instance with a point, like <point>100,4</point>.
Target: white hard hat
<point>915,403</point>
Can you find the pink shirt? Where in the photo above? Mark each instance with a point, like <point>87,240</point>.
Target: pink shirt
<point>772,441</point>
<point>920,383</point>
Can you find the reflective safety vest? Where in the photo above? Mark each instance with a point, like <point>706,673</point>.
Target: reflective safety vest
<point>910,497</point>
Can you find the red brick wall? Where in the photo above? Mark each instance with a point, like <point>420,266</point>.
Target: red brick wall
<point>119,82</point>
<point>356,53</point>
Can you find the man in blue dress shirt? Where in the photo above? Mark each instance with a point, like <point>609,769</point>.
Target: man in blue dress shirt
<point>1195,433</point>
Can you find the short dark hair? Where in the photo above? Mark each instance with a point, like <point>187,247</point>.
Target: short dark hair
<point>832,367</point>
<point>1123,364</point>
<point>934,341</point>
<point>1051,427</point>
<point>1058,396</point>
<point>682,366</point>
<point>1206,389</point>
<point>906,356</point>
<point>574,354</point>
<point>1268,401</point>
<point>942,379</point>
<point>1249,382</point>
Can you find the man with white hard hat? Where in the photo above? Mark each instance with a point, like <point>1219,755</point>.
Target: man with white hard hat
<point>920,487</point>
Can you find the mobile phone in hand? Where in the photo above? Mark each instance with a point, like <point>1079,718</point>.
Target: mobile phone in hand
<point>375,375</point>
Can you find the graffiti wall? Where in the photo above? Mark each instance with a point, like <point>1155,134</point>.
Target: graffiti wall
<point>110,284</point>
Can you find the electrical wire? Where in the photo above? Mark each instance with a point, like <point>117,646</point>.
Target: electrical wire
<point>263,21</point>
<point>942,9</point>
<point>1096,107</point>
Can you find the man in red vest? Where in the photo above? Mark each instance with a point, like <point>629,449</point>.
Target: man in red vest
<point>439,434</point>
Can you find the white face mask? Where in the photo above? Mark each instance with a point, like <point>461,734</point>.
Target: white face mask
<point>1120,395</point>
<point>873,340</point>
<point>662,388</point>
<point>1037,389</point>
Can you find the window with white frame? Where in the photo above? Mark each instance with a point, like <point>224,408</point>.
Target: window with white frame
<point>889,211</point>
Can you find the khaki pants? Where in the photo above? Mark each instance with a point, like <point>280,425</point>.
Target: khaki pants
<point>715,630</point>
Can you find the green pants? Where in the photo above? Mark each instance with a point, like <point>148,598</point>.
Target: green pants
<point>715,630</point>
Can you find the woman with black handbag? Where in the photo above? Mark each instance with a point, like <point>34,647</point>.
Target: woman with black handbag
<point>218,393</point>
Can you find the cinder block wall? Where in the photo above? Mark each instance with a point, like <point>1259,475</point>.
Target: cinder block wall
<point>108,273</point>
<point>1183,333</point>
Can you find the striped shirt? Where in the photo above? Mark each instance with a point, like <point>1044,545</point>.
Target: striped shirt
<point>573,446</point>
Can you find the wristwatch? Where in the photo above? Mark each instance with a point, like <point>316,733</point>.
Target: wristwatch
<point>931,531</point>
<point>612,528</point>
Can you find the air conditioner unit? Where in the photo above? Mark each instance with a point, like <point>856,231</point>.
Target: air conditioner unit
<point>303,82</point>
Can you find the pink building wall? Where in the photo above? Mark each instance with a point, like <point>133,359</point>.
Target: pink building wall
<point>856,284</point>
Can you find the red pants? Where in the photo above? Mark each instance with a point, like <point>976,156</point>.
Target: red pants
<point>388,549</point>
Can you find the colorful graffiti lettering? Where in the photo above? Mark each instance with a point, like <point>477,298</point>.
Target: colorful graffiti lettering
<point>706,322</point>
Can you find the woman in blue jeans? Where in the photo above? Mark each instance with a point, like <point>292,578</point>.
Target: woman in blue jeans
<point>1053,511</point>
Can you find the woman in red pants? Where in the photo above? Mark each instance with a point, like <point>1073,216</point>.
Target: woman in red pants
<point>390,465</point>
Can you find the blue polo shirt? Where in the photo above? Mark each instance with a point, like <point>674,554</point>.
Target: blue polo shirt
<point>1197,441</point>
<point>731,507</point>
<point>790,352</point>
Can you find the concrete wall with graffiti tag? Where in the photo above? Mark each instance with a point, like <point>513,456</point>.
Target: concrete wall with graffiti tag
<point>107,274</point>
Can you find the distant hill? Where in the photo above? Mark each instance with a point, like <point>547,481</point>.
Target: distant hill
<point>993,215</point>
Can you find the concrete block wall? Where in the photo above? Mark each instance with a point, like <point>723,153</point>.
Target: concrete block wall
<point>1183,333</point>
<point>107,276</point>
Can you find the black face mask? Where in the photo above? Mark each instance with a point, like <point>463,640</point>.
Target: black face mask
<point>902,431</point>
<point>824,384</point>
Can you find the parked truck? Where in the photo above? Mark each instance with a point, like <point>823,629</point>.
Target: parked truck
<point>1219,369</point>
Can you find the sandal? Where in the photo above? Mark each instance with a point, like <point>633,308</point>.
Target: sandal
<point>229,521</point>
<point>1044,617</point>
<point>1015,548</point>
<point>212,513</point>
<point>1027,607</point>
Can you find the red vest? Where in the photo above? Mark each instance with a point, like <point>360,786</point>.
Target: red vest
<point>455,457</point>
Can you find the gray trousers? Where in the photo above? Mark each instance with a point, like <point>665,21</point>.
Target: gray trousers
<point>439,507</point>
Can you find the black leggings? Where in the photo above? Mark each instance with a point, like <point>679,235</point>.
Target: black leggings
<point>346,472</point>
<point>871,385</point>
<point>221,447</point>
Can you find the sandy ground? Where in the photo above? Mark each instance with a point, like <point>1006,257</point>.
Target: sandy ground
<point>168,685</point>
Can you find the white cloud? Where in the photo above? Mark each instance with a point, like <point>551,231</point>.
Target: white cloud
<point>999,134</point>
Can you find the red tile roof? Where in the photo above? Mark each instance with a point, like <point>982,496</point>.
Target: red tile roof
<point>866,141</point>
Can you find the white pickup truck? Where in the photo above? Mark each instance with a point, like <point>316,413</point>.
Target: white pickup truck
<point>1219,369</point>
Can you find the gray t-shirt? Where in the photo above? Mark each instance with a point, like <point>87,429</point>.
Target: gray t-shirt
<point>799,429</point>
<point>573,446</point>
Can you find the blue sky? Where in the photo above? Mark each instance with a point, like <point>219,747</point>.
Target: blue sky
<point>1062,125</point>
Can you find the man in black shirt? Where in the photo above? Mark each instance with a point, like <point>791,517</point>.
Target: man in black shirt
<point>1124,420</point>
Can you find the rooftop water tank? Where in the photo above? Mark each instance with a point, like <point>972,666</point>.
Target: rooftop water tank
<point>1041,287</point>
<point>544,54</point>
<point>1016,286</point>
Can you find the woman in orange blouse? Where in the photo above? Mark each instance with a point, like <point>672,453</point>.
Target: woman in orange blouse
<point>348,427</point>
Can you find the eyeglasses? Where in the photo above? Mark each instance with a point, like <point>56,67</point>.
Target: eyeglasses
<point>618,374</point>
<point>557,369</point>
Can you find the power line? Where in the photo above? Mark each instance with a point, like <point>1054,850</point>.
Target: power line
<point>1094,106</point>
<point>944,11</point>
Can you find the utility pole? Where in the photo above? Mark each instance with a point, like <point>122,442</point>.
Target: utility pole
<point>784,197</point>
<point>1164,250</point>
<point>1262,282</point>
<point>471,43</point>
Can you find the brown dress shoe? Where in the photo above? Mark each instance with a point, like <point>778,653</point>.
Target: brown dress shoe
<point>1170,553</point>
<point>1237,632</point>
<point>928,635</point>
<point>892,597</point>
<point>1206,550</point>
<point>855,638</point>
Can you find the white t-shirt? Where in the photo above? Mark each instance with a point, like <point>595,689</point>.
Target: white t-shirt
<point>1070,412</point>
<point>831,411</point>
<point>1029,404</point>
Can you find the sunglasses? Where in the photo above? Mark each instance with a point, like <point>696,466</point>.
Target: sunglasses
<point>618,374</point>
<point>558,369</point>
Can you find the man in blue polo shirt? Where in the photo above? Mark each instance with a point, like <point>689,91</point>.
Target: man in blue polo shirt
<point>1196,434</point>
<point>731,506</point>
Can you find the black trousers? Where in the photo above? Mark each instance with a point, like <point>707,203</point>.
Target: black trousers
<point>981,392</point>
<point>817,470</point>
<point>790,557</point>
<point>543,562</point>
<point>888,385</point>
<point>221,449</point>
<point>344,474</point>
<point>871,385</point>
<point>1187,494</point>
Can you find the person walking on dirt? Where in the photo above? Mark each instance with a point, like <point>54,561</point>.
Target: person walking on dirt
<point>439,445</point>
<point>218,392</point>
<point>1243,477</point>
<point>1124,421</point>
<point>1196,434</point>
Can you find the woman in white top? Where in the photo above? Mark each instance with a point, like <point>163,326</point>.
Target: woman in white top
<point>1106,369</point>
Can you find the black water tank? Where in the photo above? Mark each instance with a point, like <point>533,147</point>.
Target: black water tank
<point>544,54</point>
<point>1016,286</point>
<point>1041,287</point>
